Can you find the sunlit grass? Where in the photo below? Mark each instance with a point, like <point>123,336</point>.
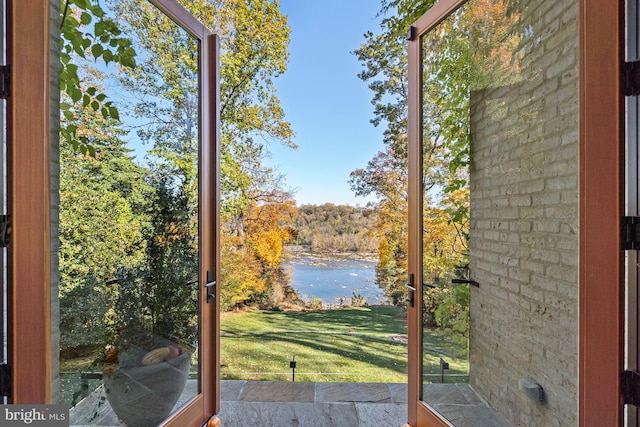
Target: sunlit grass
<point>352,345</point>
<point>319,357</point>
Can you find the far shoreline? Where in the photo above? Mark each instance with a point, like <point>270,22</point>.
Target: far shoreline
<point>305,251</point>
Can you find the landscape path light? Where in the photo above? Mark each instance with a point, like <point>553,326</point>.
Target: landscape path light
<point>292,365</point>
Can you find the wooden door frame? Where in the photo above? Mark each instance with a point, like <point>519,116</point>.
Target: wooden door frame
<point>601,291</point>
<point>602,164</point>
<point>29,280</point>
<point>29,135</point>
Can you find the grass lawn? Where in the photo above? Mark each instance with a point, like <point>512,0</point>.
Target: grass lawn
<point>355,344</point>
<point>352,344</point>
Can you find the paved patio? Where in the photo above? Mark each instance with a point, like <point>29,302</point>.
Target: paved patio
<point>284,404</point>
<point>299,404</point>
<point>280,404</point>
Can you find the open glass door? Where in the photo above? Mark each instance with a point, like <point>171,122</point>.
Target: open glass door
<point>138,222</point>
<point>436,47</point>
<point>476,90</point>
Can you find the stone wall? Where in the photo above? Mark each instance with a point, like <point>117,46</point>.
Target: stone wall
<point>524,224</point>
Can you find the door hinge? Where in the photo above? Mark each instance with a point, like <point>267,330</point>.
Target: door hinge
<point>5,230</point>
<point>630,384</point>
<point>630,232</point>
<point>631,78</point>
<point>5,380</point>
<point>411,33</point>
<point>5,81</point>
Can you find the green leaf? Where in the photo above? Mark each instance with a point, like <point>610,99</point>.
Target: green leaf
<point>128,61</point>
<point>97,11</point>
<point>99,29</point>
<point>96,50</point>
<point>72,69</point>
<point>64,57</point>
<point>83,4</point>
<point>75,94</point>
<point>107,55</point>
<point>85,18</point>
<point>69,115</point>
<point>113,111</point>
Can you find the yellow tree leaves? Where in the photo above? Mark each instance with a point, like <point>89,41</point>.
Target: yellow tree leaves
<point>269,226</point>
<point>252,251</point>
<point>268,245</point>
<point>241,272</point>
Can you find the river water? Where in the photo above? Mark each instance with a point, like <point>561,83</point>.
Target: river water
<point>332,279</point>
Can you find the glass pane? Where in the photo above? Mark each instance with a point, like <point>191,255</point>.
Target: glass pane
<point>445,138</point>
<point>129,221</point>
<point>500,99</point>
<point>474,63</point>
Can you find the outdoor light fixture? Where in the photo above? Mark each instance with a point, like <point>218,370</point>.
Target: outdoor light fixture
<point>531,388</point>
<point>443,365</point>
<point>292,365</point>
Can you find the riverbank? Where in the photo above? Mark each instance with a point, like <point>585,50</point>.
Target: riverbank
<point>296,251</point>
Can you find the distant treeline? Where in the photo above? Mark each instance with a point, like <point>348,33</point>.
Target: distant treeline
<point>335,228</point>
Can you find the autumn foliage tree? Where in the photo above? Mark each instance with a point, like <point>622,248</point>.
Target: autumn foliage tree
<point>252,253</point>
<point>269,227</point>
<point>335,228</point>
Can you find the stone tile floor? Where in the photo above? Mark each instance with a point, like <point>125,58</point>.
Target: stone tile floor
<point>284,404</point>
<point>299,404</point>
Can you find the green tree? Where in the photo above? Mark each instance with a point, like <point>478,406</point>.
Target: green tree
<point>161,91</point>
<point>102,228</point>
<point>172,260</point>
<point>86,32</point>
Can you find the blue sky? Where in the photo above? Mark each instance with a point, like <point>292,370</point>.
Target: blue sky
<point>328,106</point>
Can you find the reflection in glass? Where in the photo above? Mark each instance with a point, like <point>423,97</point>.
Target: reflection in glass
<point>466,59</point>
<point>445,139</point>
<point>129,256</point>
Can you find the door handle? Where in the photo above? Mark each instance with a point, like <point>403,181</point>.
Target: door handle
<point>411,291</point>
<point>209,287</point>
<point>411,294</point>
<point>471,282</point>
